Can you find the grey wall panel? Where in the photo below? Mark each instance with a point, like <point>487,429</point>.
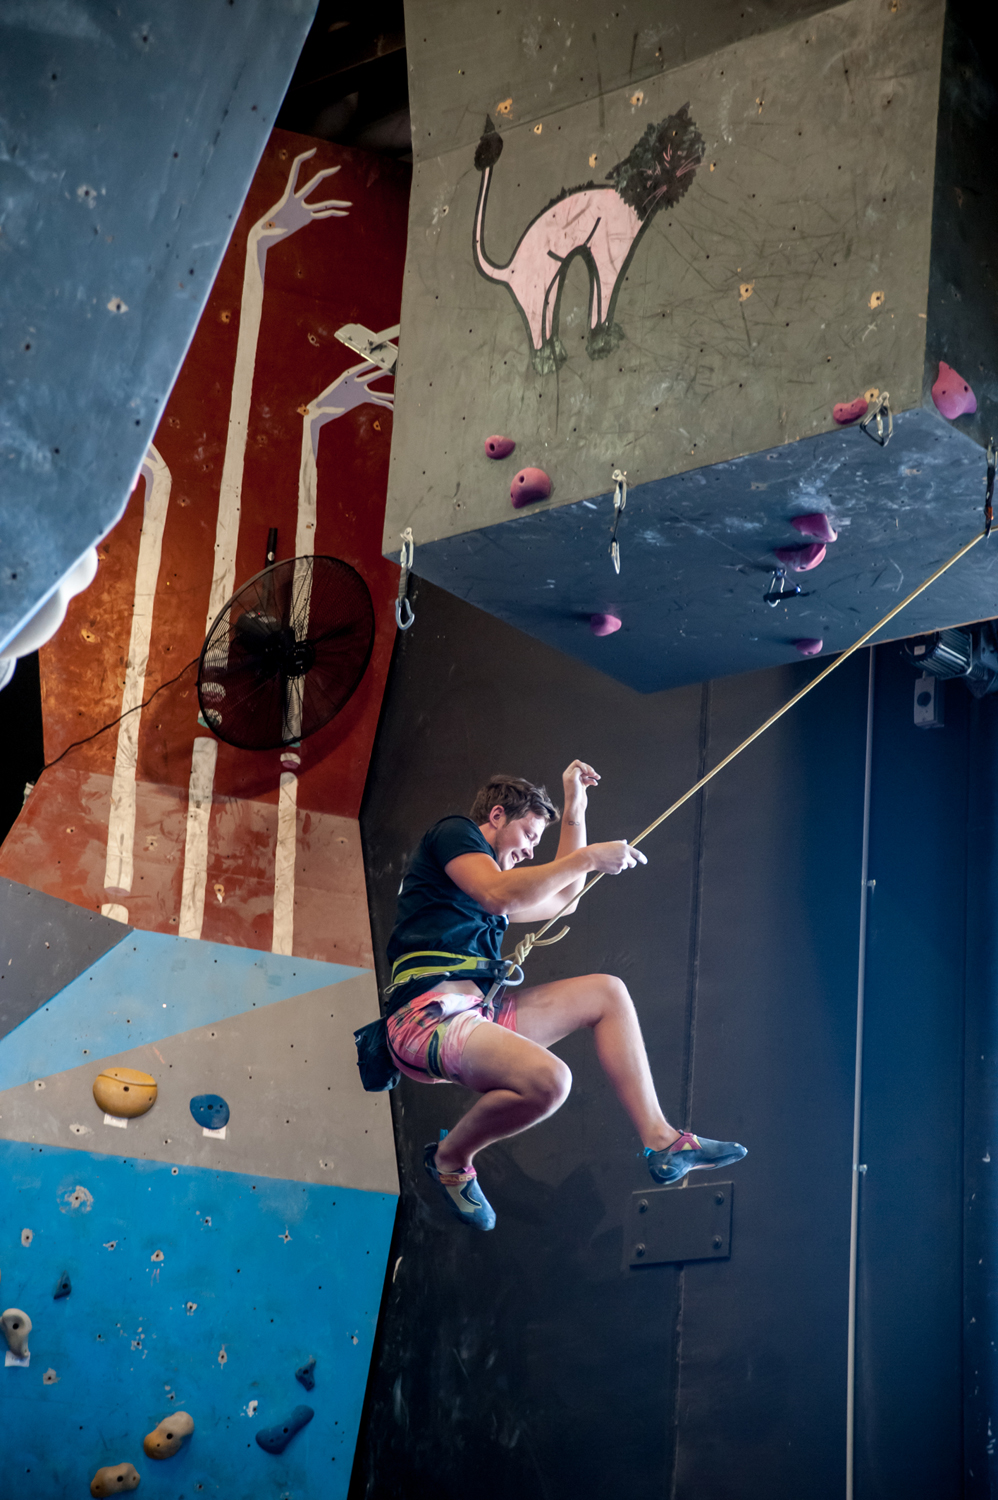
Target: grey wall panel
<point>45,943</point>
<point>465,55</point>
<point>287,1071</point>
<point>127,142</point>
<point>822,139</point>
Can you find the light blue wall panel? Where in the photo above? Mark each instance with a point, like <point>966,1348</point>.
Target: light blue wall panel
<point>279,1271</point>
<point>152,986</point>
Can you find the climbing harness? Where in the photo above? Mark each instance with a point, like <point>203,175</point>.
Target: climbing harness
<point>405,563</point>
<point>537,939</point>
<point>990,490</point>
<point>777,595</point>
<point>448,966</point>
<point>878,409</point>
<point>619,477</point>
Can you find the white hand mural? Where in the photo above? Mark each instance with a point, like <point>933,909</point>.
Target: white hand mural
<point>349,390</point>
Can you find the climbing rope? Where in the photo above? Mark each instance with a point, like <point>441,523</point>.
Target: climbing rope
<point>538,940</point>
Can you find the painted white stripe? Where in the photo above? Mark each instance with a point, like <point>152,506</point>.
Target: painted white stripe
<point>196,847</point>
<point>289,214</point>
<point>119,871</point>
<point>115,912</point>
<point>284,865</point>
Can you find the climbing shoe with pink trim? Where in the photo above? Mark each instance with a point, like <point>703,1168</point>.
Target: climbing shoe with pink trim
<point>689,1153</point>
<point>465,1198</point>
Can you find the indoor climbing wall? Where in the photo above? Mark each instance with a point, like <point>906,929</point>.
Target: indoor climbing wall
<point>273,422</point>
<point>193,1166</point>
<point>696,251</point>
<point>198,1208</point>
<point>128,145</point>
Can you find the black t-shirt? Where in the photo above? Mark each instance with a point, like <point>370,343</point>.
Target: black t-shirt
<point>434,914</point>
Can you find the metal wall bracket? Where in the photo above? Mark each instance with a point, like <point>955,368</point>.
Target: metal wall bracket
<point>663,1226</point>
<point>377,348</point>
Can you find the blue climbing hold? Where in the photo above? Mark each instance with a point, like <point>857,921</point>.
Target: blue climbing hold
<point>210,1110</point>
<point>63,1286</point>
<point>304,1374</point>
<point>275,1439</point>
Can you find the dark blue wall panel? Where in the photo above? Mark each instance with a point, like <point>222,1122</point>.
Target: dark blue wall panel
<point>128,138</point>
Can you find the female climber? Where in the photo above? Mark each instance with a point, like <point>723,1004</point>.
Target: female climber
<point>469,878</point>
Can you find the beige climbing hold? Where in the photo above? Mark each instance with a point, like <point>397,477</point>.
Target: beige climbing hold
<point>16,1326</point>
<point>166,1439</point>
<point>114,1479</point>
<point>124,1092</point>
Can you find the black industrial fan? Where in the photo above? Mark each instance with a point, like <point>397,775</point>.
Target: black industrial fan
<point>286,653</point>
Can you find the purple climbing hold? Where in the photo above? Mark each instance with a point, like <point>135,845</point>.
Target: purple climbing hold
<point>952,394</point>
<point>275,1439</point>
<point>528,486</point>
<point>817,525</point>
<point>498,447</point>
<point>604,624</point>
<point>845,412</point>
<point>809,646</point>
<point>801,559</point>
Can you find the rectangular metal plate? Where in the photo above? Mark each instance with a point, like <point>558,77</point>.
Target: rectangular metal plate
<point>666,1225</point>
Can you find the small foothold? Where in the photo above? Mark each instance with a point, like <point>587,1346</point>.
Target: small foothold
<point>304,1375</point>
<point>114,1479</point>
<point>952,394</point>
<point>528,486</point>
<point>817,525</point>
<point>63,1286</point>
<point>210,1111</point>
<point>124,1092</point>
<point>845,412</point>
<point>15,1326</point>
<point>166,1439</point>
<point>498,447</point>
<point>801,559</point>
<point>604,624</point>
<point>809,646</point>
<point>275,1439</point>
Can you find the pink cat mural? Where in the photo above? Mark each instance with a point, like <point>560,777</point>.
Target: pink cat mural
<point>601,225</point>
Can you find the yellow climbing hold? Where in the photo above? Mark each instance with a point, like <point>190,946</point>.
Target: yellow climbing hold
<point>124,1092</point>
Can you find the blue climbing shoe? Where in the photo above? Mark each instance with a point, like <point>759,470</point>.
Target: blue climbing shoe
<point>465,1198</point>
<point>689,1153</point>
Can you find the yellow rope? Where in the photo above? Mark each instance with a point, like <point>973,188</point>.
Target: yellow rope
<point>538,940</point>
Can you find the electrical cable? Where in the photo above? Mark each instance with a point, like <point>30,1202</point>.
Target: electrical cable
<point>86,741</point>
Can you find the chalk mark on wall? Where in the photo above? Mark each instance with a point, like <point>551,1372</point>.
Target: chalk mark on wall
<point>599,225</point>
<point>119,869</point>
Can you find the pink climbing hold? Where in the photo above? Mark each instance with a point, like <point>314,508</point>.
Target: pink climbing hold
<point>952,394</point>
<point>817,525</point>
<point>801,559</point>
<point>529,485</point>
<point>498,447</point>
<point>845,412</point>
<point>809,646</point>
<point>604,624</point>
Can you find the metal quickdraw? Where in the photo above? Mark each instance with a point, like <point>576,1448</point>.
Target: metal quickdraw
<point>878,409</point>
<point>405,563</point>
<point>777,595</point>
<point>619,477</point>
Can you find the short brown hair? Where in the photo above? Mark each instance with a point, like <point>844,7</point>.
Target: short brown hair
<point>516,797</point>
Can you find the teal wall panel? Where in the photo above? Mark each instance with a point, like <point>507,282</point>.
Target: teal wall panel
<point>251,1278</point>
